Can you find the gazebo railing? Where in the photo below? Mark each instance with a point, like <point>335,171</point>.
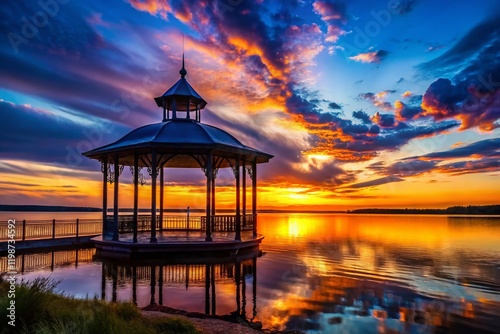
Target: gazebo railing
<point>227,223</point>
<point>220,223</point>
<point>170,223</point>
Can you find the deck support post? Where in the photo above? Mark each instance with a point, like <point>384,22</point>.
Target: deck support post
<point>104,197</point>
<point>136,196</point>
<point>161,197</point>
<point>213,200</point>
<point>153,197</point>
<point>115,199</point>
<point>244,194</point>
<point>209,175</point>
<point>237,222</point>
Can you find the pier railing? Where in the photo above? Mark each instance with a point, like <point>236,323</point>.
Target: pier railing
<point>51,229</point>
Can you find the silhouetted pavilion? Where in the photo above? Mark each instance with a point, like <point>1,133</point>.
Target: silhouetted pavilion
<point>181,140</point>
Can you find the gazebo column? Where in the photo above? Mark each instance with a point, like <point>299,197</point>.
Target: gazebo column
<point>104,197</point>
<point>161,197</point>
<point>153,197</point>
<point>174,109</point>
<point>214,176</point>
<point>209,175</point>
<point>136,195</point>
<point>115,208</point>
<point>164,111</point>
<point>237,222</point>
<point>254,196</point>
<point>244,194</point>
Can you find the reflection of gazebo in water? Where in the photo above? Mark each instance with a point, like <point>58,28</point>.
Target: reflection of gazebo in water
<point>125,278</point>
<point>179,141</point>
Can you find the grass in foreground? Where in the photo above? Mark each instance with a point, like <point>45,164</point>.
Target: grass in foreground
<point>39,310</point>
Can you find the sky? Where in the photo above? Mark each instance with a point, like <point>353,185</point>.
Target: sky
<point>363,103</point>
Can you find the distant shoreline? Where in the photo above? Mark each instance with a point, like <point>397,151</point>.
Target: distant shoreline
<point>454,210</point>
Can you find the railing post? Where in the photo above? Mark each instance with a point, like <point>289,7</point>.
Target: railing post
<point>77,228</point>
<point>24,229</point>
<point>53,228</point>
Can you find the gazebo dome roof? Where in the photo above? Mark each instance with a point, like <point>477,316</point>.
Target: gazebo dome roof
<point>181,137</point>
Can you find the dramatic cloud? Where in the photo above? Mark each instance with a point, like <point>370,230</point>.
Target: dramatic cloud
<point>370,57</point>
<point>334,106</point>
<point>376,182</point>
<point>473,97</point>
<point>154,7</point>
<point>378,99</point>
<point>333,14</point>
<point>65,136</point>
<point>481,157</point>
<point>406,94</point>
<point>464,50</point>
<point>384,120</point>
<point>404,112</point>
<point>361,115</point>
<point>484,148</point>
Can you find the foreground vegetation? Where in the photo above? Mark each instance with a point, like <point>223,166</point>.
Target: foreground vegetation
<point>39,310</point>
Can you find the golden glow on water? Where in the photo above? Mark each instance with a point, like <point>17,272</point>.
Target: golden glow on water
<point>335,253</point>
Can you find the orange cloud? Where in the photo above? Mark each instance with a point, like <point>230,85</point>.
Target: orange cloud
<point>370,57</point>
<point>406,94</point>
<point>333,15</point>
<point>154,7</point>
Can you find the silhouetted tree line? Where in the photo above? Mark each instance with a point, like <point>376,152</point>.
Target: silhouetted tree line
<point>46,208</point>
<point>452,210</point>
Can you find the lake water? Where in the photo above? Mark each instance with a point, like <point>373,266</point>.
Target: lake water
<point>319,273</point>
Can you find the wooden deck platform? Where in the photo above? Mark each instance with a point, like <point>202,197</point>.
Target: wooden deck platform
<point>183,244</point>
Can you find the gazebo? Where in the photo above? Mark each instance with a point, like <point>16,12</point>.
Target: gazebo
<point>181,140</point>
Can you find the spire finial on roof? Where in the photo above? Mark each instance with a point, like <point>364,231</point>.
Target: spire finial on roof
<point>183,71</point>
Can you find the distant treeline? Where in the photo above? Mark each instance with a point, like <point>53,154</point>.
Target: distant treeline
<point>56,208</point>
<point>47,208</point>
<point>452,210</point>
